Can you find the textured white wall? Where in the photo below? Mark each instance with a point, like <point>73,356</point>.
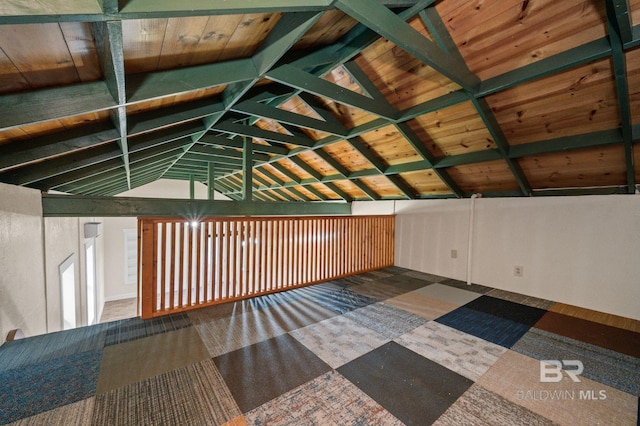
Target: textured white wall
<point>577,250</point>
<point>115,286</point>
<point>22,281</point>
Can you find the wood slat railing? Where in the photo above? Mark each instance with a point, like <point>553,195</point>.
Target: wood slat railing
<point>185,265</point>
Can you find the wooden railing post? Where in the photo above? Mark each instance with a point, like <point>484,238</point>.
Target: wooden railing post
<point>148,247</point>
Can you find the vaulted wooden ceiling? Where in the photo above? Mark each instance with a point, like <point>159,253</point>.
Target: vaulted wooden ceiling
<point>309,100</point>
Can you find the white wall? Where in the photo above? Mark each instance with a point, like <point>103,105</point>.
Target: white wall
<point>64,237</point>
<point>22,280</point>
<point>115,285</point>
<point>577,250</point>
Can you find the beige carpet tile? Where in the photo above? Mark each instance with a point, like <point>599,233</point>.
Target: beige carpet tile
<point>338,340</point>
<point>327,400</point>
<point>119,309</point>
<point>467,355</point>
<point>516,378</point>
<point>128,362</point>
<point>192,395</point>
<point>480,407</point>
<point>448,294</point>
<point>421,305</point>
<point>378,290</point>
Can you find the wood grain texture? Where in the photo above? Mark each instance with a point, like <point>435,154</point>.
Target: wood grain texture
<point>484,177</point>
<point>425,182</point>
<point>577,101</point>
<point>389,144</point>
<point>348,156</point>
<point>497,37</point>
<point>458,129</point>
<point>601,166</point>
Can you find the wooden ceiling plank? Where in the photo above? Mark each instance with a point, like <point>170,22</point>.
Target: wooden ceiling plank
<point>386,23</point>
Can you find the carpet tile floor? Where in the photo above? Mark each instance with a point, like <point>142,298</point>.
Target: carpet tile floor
<point>388,347</point>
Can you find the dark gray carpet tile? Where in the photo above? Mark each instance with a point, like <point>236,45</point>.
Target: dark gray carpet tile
<point>36,388</point>
<point>425,276</point>
<point>338,301</point>
<point>395,270</point>
<point>297,314</point>
<point>377,274</point>
<point>387,320</point>
<point>412,388</point>
<point>45,347</point>
<point>405,282</point>
<point>261,372</point>
<point>521,298</point>
<point>223,310</point>
<point>135,328</point>
<point>603,365</point>
<point>464,286</point>
<point>512,311</point>
<point>347,282</point>
<point>192,395</point>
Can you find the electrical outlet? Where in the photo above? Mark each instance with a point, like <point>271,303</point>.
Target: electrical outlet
<point>517,271</point>
<point>454,254</point>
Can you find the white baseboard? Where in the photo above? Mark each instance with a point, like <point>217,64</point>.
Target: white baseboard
<point>120,297</point>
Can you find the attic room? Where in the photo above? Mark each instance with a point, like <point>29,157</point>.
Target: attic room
<point>323,212</point>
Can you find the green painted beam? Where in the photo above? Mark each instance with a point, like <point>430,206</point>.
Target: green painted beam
<point>339,192</point>
<point>170,82</point>
<point>421,148</point>
<point>567,143</point>
<point>53,103</point>
<point>265,111</point>
<point>173,115</point>
<point>365,188</point>
<point>209,139</point>
<point>80,206</point>
<point>228,153</point>
<point>619,15</point>
<point>485,112</point>
<point>289,29</point>
<point>299,79</point>
<point>232,128</point>
<point>607,190</point>
<point>247,170</point>
<point>386,23</point>
<point>569,59</point>
<point>365,83</point>
<point>620,27</point>
<point>44,147</point>
<point>166,8</point>
<point>445,101</point>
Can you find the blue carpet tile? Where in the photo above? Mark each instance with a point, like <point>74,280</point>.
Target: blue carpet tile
<point>494,329</point>
<point>612,368</point>
<point>412,388</point>
<point>505,309</point>
<point>45,347</point>
<point>135,328</point>
<point>41,387</point>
